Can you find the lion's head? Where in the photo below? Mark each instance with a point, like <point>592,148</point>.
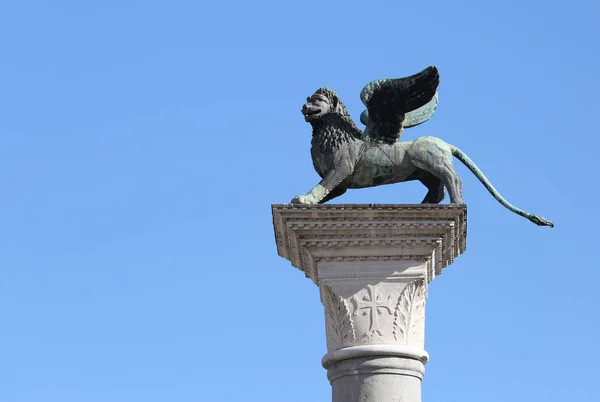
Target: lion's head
<point>323,102</point>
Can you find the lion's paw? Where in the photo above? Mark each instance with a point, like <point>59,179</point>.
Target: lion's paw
<point>303,199</point>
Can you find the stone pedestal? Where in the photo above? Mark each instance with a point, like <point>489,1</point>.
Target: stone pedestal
<point>373,264</point>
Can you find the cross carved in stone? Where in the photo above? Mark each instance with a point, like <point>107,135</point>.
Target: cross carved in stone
<point>373,305</point>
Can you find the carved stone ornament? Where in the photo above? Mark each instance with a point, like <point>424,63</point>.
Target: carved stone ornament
<point>372,305</point>
<point>341,326</point>
<point>409,321</point>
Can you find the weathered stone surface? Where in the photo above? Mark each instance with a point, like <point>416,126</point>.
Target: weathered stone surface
<point>309,235</point>
<point>373,264</point>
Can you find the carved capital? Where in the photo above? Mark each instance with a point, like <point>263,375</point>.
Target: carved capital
<point>389,312</point>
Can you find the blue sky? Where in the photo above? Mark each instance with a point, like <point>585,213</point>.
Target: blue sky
<point>143,143</point>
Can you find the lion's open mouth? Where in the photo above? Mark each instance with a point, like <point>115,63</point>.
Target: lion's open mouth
<point>312,112</point>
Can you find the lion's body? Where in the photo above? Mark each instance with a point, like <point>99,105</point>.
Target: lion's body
<point>378,164</point>
<point>403,161</point>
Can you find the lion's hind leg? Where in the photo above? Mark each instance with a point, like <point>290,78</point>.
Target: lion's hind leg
<point>446,174</point>
<point>434,156</point>
<point>436,194</point>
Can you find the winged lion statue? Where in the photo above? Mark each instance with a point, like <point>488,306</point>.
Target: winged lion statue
<point>347,157</point>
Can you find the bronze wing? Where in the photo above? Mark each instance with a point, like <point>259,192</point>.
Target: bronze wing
<point>388,101</point>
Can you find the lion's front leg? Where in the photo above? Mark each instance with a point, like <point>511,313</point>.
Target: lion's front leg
<point>329,183</point>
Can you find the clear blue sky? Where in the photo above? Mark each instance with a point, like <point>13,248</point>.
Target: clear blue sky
<point>143,143</point>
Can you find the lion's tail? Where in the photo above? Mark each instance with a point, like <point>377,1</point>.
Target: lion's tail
<point>461,156</point>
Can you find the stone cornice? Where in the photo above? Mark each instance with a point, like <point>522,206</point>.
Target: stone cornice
<point>309,235</point>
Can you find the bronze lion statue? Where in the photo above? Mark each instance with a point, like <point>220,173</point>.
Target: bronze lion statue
<point>347,157</point>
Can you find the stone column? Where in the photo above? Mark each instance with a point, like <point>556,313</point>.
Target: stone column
<point>373,264</point>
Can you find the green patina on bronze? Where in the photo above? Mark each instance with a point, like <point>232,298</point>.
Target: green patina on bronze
<point>347,157</point>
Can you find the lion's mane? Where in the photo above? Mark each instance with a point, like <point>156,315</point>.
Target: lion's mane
<point>335,127</point>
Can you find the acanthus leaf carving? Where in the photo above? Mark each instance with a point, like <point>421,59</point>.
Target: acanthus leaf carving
<point>409,316</point>
<point>341,323</point>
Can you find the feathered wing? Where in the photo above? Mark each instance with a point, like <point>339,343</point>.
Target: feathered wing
<point>414,118</point>
<point>389,100</point>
